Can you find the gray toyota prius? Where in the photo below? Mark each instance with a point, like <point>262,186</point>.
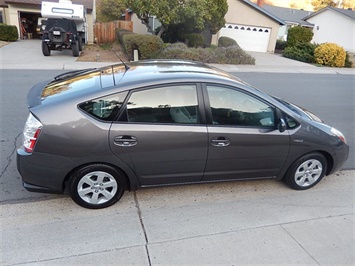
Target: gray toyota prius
<point>97,132</point>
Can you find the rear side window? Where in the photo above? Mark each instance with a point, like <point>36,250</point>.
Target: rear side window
<point>173,104</point>
<point>105,108</point>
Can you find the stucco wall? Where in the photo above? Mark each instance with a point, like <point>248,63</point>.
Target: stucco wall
<point>138,26</point>
<point>330,26</point>
<point>241,13</point>
<point>90,28</point>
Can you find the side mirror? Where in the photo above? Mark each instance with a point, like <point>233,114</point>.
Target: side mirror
<point>282,125</point>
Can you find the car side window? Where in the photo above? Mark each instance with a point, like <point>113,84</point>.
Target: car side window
<point>105,108</point>
<point>236,108</point>
<point>171,104</point>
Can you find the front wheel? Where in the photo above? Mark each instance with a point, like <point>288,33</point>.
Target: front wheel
<point>307,171</point>
<point>97,186</point>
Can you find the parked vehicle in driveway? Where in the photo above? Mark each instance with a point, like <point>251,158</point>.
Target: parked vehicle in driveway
<point>60,34</point>
<point>100,131</point>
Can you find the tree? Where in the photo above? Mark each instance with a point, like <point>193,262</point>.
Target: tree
<point>109,10</point>
<point>319,4</point>
<point>194,13</point>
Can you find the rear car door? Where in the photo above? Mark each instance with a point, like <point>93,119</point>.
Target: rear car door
<point>161,136</point>
<point>243,138</point>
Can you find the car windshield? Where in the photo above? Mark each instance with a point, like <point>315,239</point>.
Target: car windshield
<point>299,111</point>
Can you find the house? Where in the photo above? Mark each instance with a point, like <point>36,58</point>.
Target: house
<point>18,12</point>
<point>292,17</point>
<point>334,25</point>
<point>254,28</point>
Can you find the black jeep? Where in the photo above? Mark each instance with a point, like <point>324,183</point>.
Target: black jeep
<point>59,34</point>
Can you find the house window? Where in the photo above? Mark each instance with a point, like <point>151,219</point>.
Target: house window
<point>1,17</point>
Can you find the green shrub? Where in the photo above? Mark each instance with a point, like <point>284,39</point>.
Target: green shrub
<point>301,52</point>
<point>174,51</point>
<point>194,40</point>
<point>8,33</point>
<point>298,35</point>
<point>330,54</point>
<point>219,55</point>
<point>147,45</point>
<point>280,45</point>
<point>226,41</point>
<point>237,56</point>
<point>120,33</point>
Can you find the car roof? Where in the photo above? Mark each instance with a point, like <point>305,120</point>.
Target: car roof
<point>111,79</point>
<point>153,70</point>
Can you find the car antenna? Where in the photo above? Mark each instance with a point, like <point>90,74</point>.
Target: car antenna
<point>125,65</point>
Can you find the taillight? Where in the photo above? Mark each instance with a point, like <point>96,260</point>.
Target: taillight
<point>31,133</point>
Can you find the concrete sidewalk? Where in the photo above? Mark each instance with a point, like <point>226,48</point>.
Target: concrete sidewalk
<point>27,54</point>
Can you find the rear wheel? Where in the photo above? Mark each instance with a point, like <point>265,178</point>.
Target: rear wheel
<point>45,49</point>
<point>307,171</point>
<point>97,186</point>
<point>75,49</point>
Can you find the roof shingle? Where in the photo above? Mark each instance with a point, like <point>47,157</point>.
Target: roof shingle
<point>289,14</point>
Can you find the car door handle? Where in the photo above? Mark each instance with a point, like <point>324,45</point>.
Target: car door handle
<point>220,142</point>
<point>125,141</point>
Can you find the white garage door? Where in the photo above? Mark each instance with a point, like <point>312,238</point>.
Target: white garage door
<point>249,38</point>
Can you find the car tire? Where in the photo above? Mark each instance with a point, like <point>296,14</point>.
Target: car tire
<point>97,186</point>
<point>80,42</point>
<point>306,172</point>
<point>45,49</point>
<point>75,49</point>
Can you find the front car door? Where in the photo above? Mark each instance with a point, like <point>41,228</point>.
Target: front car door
<point>161,136</point>
<point>243,138</point>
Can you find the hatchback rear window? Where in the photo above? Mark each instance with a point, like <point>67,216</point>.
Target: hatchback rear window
<point>72,85</point>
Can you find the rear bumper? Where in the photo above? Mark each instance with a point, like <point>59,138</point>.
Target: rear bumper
<point>34,188</point>
<point>43,172</point>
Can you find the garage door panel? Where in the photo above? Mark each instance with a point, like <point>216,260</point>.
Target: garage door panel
<point>249,38</point>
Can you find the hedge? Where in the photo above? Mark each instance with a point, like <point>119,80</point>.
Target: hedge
<point>8,33</point>
<point>219,55</point>
<point>195,40</point>
<point>298,35</point>
<point>301,52</point>
<point>330,54</point>
<point>148,46</point>
<point>226,41</point>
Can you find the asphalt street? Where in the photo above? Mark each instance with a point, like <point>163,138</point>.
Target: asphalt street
<point>249,222</point>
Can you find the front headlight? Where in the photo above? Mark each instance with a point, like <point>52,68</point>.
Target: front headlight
<point>338,134</point>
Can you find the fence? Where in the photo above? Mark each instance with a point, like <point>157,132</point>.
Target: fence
<point>105,32</point>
